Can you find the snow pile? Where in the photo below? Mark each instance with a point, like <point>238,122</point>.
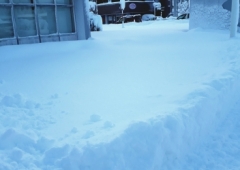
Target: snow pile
<point>209,15</point>
<point>150,96</point>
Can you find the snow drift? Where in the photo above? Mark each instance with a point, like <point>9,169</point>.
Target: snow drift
<point>144,97</point>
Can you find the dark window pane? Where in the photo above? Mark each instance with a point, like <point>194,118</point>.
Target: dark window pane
<point>6,26</point>
<point>4,1</point>
<point>45,1</point>
<point>23,1</point>
<point>103,1</point>
<point>64,1</point>
<point>46,20</point>
<point>25,21</point>
<point>65,20</point>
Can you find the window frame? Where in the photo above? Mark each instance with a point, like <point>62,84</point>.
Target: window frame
<point>35,4</point>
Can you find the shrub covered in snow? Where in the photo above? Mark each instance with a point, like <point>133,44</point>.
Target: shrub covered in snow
<point>183,7</point>
<point>95,22</point>
<point>95,19</point>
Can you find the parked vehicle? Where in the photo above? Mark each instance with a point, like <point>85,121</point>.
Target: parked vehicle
<point>148,17</point>
<point>129,18</point>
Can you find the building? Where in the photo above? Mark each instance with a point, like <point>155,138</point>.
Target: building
<point>36,21</point>
<point>110,9</point>
<point>210,14</point>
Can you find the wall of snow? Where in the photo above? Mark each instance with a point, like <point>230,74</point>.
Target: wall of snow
<point>159,143</point>
<point>209,14</point>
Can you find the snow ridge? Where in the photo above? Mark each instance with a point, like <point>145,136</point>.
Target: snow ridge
<point>159,143</point>
<point>163,143</point>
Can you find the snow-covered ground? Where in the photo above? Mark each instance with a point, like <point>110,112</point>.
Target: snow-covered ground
<point>149,96</point>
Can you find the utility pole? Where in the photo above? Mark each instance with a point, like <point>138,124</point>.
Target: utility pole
<point>234,18</point>
<point>122,6</point>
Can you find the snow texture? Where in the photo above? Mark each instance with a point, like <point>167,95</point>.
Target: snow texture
<point>151,96</point>
<point>209,15</point>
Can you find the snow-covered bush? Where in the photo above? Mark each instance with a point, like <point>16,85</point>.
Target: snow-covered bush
<point>93,7</point>
<point>95,19</point>
<point>183,7</point>
<point>95,22</point>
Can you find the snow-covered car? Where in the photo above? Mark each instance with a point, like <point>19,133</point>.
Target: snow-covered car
<point>148,17</point>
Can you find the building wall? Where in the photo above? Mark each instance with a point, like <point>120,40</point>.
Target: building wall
<point>211,14</point>
<point>36,21</point>
<point>111,11</point>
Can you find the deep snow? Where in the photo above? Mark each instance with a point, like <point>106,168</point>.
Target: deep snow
<point>148,96</point>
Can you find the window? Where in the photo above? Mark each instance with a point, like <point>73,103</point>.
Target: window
<point>46,20</point>
<point>25,21</point>
<point>6,26</point>
<point>36,17</point>
<point>65,19</point>
<point>45,1</point>
<point>23,1</point>
<point>64,2</point>
<point>103,1</point>
<point>4,1</point>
